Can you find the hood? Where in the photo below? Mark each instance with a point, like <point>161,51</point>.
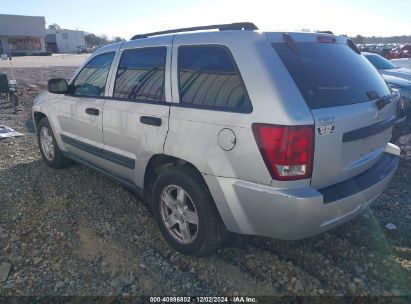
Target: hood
<point>396,81</point>
<point>402,62</point>
<point>400,72</point>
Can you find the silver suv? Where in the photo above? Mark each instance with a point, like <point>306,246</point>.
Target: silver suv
<point>227,128</point>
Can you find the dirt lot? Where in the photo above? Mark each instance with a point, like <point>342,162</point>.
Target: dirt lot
<point>57,60</point>
<point>74,232</point>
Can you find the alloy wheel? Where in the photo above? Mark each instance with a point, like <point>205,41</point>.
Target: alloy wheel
<point>179,214</point>
<point>47,143</point>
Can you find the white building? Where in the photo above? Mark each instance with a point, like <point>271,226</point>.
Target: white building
<point>22,35</point>
<point>64,41</point>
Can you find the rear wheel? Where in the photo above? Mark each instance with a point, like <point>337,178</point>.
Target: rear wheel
<point>49,149</point>
<point>186,213</point>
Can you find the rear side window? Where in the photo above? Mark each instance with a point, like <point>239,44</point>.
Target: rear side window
<point>331,74</point>
<point>209,78</point>
<point>91,81</point>
<point>140,74</point>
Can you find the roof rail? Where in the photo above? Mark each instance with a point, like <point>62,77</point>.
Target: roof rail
<point>246,26</point>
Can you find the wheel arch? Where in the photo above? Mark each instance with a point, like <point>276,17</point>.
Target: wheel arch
<point>160,162</point>
<point>37,116</point>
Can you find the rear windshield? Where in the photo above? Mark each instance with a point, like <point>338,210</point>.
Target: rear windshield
<point>331,74</point>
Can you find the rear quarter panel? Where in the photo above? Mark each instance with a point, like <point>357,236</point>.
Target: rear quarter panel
<point>193,133</point>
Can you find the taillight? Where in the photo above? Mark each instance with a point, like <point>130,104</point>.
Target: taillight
<point>286,150</point>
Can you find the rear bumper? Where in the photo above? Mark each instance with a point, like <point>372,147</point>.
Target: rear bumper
<point>296,213</point>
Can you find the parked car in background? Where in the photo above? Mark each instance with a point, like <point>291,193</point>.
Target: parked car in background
<point>386,67</point>
<point>398,51</point>
<point>397,78</point>
<point>280,134</point>
<point>404,87</point>
<point>385,50</point>
<point>403,51</point>
<point>81,49</point>
<point>96,47</point>
<point>388,50</point>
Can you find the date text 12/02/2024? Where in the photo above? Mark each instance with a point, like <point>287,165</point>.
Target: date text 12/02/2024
<point>234,299</point>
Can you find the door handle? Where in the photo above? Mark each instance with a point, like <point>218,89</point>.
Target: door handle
<point>92,111</point>
<point>150,120</point>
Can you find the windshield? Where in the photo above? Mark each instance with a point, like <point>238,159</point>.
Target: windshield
<point>331,74</point>
<point>380,62</point>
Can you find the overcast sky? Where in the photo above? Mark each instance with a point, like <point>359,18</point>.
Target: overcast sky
<point>128,17</point>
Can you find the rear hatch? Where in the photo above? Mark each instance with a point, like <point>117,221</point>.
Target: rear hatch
<point>352,106</point>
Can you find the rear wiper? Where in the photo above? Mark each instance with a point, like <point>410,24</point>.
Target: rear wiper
<point>289,41</point>
<point>381,102</point>
<point>373,95</point>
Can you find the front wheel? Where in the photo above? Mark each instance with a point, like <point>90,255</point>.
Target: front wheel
<point>49,148</point>
<point>185,212</point>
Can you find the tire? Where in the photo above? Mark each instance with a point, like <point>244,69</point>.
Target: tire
<point>54,158</point>
<point>209,234</point>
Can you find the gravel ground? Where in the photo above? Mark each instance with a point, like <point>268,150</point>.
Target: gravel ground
<point>74,232</point>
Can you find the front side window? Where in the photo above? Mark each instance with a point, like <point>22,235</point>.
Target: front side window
<point>140,74</point>
<point>209,77</point>
<point>91,81</point>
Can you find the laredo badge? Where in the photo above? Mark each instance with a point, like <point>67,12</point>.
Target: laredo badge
<point>325,125</point>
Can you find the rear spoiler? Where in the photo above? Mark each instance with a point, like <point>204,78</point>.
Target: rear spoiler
<point>351,44</point>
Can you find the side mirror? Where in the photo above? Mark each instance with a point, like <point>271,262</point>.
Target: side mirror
<point>58,86</point>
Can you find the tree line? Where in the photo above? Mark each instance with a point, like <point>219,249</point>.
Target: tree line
<point>93,40</point>
<point>393,39</point>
